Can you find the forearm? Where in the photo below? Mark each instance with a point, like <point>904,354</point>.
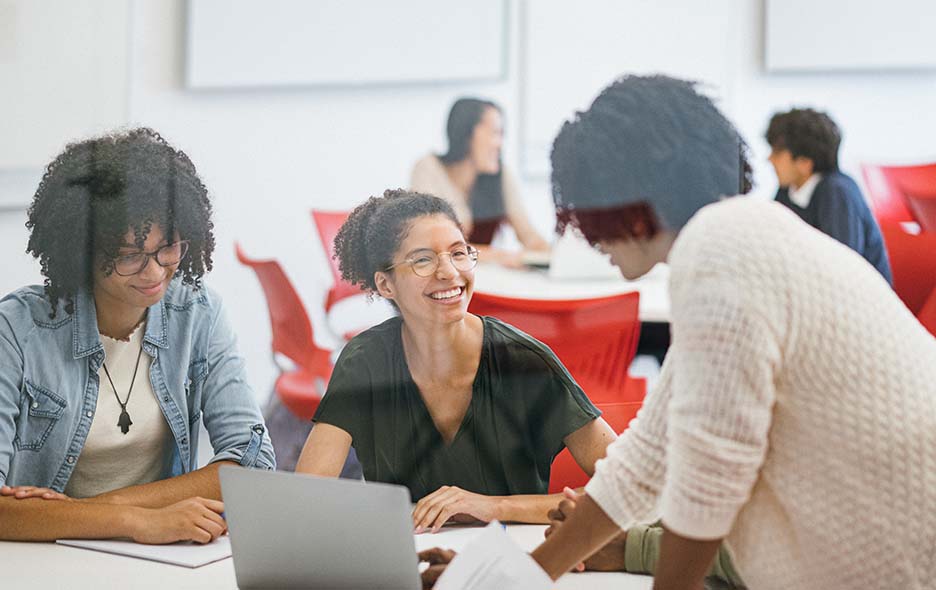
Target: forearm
<point>35,519</point>
<point>587,529</point>
<point>683,562</point>
<point>528,508</point>
<point>202,483</point>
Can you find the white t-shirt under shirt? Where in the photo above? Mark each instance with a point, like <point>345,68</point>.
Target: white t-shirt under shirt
<point>111,459</point>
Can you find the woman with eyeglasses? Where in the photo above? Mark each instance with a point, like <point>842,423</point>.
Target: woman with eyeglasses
<point>110,367</point>
<point>466,411</point>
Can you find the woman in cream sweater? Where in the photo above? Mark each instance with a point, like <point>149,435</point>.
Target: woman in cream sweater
<point>795,417</point>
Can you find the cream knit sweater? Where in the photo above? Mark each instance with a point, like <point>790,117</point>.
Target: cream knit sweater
<point>795,414</point>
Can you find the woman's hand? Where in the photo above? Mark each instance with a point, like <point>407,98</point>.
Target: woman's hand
<point>438,559</point>
<point>447,502</point>
<point>194,519</point>
<point>23,492</point>
<point>609,558</point>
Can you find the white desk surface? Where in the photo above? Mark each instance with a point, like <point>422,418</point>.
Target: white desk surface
<point>47,565</point>
<point>537,284</point>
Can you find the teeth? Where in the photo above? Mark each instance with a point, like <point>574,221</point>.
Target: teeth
<point>446,294</point>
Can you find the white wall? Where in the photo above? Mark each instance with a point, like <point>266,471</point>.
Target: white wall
<point>269,156</point>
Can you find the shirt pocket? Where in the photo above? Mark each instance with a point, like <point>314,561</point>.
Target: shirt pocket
<point>40,411</point>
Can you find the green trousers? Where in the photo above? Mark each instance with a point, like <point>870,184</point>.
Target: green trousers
<point>642,550</point>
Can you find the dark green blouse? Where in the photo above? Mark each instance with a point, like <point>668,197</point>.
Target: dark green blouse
<point>523,404</point>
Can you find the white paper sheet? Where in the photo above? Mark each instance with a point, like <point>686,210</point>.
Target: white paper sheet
<point>493,560</point>
<point>183,554</point>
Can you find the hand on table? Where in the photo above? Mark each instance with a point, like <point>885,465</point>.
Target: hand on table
<point>450,502</point>
<point>23,492</point>
<point>609,558</point>
<point>194,519</point>
<point>438,559</point>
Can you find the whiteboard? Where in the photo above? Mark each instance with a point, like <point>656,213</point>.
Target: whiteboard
<point>245,43</point>
<point>682,38</point>
<point>63,67</point>
<point>822,35</point>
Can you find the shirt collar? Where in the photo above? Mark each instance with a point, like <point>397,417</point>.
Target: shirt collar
<point>85,334</point>
<point>803,195</point>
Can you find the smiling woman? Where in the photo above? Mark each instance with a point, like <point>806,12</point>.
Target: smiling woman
<point>465,411</point>
<point>109,368</point>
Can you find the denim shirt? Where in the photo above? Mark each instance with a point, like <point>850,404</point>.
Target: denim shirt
<point>49,384</point>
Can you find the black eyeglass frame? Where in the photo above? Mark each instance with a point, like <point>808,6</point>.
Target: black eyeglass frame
<point>154,255</point>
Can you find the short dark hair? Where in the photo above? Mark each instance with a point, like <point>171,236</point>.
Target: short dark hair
<point>806,133</point>
<point>96,190</point>
<point>375,229</point>
<point>647,154</point>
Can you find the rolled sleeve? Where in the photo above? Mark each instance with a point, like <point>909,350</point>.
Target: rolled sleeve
<point>628,481</point>
<point>11,381</point>
<point>721,411</point>
<point>231,413</point>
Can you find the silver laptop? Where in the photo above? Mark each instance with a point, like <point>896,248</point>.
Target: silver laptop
<point>299,531</point>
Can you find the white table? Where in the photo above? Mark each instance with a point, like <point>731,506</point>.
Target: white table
<point>537,284</point>
<point>47,565</point>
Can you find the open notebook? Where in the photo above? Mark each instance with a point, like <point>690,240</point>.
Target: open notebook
<point>183,554</point>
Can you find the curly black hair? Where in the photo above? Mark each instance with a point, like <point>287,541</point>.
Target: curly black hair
<point>374,231</point>
<point>806,133</point>
<point>99,188</point>
<point>652,140</point>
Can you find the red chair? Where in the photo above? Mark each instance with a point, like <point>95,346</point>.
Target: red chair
<point>565,471</point>
<point>328,223</point>
<point>888,187</point>
<point>913,264</point>
<point>927,315</point>
<point>924,209</point>
<point>595,339</point>
<point>300,389</point>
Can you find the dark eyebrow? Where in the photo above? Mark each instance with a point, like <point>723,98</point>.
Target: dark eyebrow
<point>134,246</point>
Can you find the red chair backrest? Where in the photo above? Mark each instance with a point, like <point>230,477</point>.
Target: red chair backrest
<point>595,339</point>
<point>328,223</point>
<point>888,187</point>
<point>565,471</point>
<point>913,264</point>
<point>927,315</point>
<point>290,325</point>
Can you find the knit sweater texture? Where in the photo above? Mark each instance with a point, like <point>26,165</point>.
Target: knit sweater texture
<point>795,414</point>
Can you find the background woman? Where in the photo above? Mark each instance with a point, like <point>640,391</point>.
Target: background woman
<point>472,178</point>
<point>109,369</point>
<point>467,412</point>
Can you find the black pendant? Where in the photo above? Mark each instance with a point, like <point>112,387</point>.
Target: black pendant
<point>124,421</point>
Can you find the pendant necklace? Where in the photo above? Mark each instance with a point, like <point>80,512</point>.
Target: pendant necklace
<point>124,421</point>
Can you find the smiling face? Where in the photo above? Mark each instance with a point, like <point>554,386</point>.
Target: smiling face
<point>137,291</point>
<point>441,297</point>
<point>486,141</point>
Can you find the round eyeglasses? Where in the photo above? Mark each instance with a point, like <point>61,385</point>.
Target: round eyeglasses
<point>130,264</point>
<point>426,262</point>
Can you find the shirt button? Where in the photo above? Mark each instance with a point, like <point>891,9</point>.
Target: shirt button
<point>35,405</point>
<point>70,459</point>
<point>166,398</point>
<point>184,440</point>
<point>89,413</point>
